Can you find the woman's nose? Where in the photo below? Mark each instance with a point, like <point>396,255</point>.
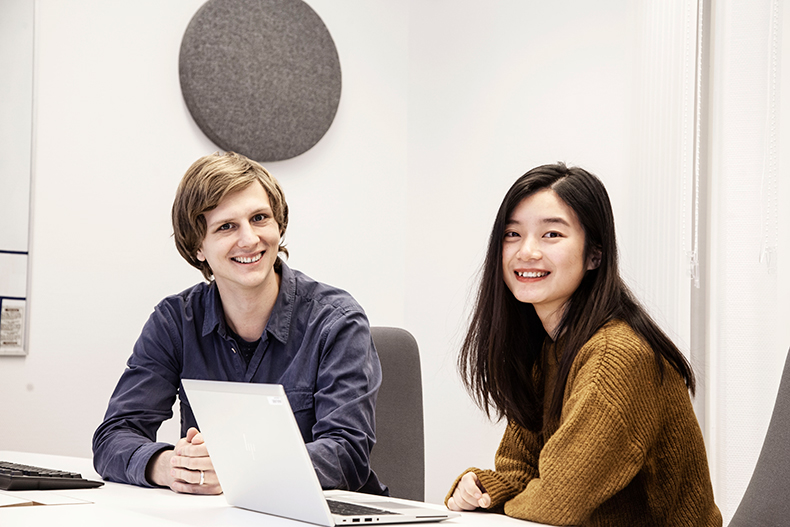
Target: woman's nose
<point>529,249</point>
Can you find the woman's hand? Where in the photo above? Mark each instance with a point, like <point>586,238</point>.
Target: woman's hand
<point>469,494</point>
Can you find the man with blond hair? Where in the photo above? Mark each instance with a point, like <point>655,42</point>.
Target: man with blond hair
<point>253,320</point>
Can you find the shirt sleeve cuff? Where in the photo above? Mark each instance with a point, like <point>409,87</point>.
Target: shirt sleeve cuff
<point>139,462</point>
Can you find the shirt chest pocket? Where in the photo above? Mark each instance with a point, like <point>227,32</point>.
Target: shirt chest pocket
<point>303,406</point>
<point>300,400</point>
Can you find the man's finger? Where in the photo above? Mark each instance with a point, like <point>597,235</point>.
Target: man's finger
<point>188,488</point>
<point>192,450</point>
<point>186,475</point>
<point>191,433</point>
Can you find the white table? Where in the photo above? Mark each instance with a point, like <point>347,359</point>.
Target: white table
<point>121,505</point>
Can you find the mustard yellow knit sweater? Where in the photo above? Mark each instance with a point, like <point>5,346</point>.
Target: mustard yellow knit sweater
<point>627,451</point>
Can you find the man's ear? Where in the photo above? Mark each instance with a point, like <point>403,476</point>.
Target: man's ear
<point>594,260</point>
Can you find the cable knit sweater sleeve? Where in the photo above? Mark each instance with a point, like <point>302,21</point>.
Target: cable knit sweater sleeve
<point>517,465</point>
<point>615,415</point>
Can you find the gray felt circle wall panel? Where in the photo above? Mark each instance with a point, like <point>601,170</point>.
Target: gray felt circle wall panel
<point>260,77</point>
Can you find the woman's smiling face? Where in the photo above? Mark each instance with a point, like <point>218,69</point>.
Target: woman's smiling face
<point>543,259</point>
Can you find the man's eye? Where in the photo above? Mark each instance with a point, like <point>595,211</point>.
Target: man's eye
<point>259,217</point>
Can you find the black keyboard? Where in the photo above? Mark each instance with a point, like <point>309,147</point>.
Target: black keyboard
<point>15,476</point>
<point>344,508</point>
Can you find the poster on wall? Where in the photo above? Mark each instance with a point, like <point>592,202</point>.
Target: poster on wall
<point>13,302</point>
<point>12,326</point>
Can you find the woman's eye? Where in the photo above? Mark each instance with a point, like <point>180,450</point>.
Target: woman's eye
<point>552,235</point>
<point>511,235</point>
<point>224,227</point>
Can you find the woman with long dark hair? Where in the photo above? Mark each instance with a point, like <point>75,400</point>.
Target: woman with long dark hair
<point>601,430</point>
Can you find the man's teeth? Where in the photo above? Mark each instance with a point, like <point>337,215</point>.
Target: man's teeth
<point>532,274</point>
<point>248,260</point>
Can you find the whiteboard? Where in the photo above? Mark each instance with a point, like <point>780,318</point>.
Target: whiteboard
<point>16,131</point>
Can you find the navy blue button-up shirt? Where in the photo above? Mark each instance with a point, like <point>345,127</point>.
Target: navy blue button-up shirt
<point>317,344</point>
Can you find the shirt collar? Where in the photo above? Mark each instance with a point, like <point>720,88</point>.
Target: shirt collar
<point>279,324</point>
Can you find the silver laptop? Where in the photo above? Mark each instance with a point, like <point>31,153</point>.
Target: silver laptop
<point>263,465</point>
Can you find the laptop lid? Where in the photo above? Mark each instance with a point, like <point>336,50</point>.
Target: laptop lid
<point>261,460</point>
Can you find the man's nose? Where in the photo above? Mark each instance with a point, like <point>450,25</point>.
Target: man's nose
<point>247,236</point>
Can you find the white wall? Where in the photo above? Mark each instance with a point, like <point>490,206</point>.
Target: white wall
<point>444,104</point>
<point>749,297</point>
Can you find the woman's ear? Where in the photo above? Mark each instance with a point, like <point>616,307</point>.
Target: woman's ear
<point>594,260</point>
